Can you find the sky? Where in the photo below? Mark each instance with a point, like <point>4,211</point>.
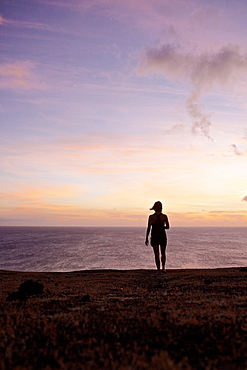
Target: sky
<point>108,106</point>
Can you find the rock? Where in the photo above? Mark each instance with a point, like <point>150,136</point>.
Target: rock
<point>25,290</point>
<point>14,296</point>
<point>31,287</point>
<point>86,298</point>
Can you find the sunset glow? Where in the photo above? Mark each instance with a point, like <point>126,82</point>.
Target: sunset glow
<point>107,106</point>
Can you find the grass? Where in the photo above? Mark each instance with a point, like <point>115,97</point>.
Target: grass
<point>139,319</point>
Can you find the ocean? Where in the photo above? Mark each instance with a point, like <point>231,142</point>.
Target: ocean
<point>63,249</point>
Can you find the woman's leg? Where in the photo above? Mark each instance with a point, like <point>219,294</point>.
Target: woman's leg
<point>163,256</point>
<point>157,256</point>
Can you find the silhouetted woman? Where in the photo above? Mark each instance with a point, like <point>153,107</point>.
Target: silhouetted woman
<point>157,223</point>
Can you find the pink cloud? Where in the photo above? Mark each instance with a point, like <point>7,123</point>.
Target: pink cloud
<point>26,24</point>
<point>3,21</point>
<point>19,76</point>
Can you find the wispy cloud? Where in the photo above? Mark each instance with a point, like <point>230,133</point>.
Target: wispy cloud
<point>144,15</point>
<point>19,76</point>
<point>26,24</point>
<point>203,71</point>
<point>85,155</point>
<point>3,21</point>
<point>236,150</point>
<point>45,196</point>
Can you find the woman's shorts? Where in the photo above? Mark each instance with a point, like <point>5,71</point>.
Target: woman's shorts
<point>159,240</point>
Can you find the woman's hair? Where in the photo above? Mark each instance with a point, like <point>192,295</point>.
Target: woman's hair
<point>157,207</point>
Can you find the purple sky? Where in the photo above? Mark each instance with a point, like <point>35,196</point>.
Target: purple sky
<point>108,106</point>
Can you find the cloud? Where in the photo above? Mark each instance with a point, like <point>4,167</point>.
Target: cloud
<point>244,198</point>
<point>26,24</point>
<point>30,193</point>
<point>3,20</point>
<point>142,12</point>
<point>236,150</point>
<point>203,71</point>
<point>43,197</point>
<point>201,120</point>
<point>18,76</point>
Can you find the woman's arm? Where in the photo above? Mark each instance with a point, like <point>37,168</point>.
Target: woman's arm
<point>148,231</point>
<point>166,224</point>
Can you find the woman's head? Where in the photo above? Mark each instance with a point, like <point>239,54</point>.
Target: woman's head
<point>157,207</point>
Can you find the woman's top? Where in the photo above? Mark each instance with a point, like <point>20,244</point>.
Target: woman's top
<point>158,228</point>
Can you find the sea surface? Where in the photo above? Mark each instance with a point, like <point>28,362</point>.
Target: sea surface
<point>90,248</point>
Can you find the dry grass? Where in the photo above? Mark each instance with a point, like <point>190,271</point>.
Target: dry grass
<point>185,319</point>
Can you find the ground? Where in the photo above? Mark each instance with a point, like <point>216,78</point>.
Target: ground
<point>135,319</point>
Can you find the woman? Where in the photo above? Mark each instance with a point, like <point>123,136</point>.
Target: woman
<point>158,222</point>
